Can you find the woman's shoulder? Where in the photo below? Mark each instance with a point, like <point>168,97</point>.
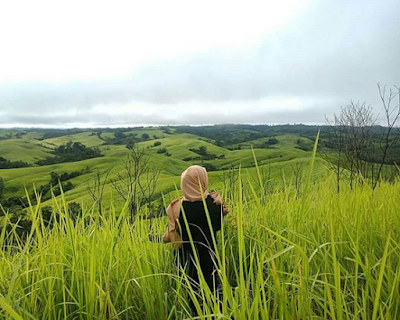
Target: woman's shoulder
<point>216,197</point>
<point>174,208</point>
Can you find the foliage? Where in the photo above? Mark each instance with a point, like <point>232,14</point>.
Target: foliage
<point>228,134</point>
<point>72,151</point>
<point>55,177</point>
<point>44,190</point>
<point>130,145</point>
<point>123,136</point>
<point>303,145</point>
<point>202,151</point>
<point>136,182</point>
<point>55,133</point>
<point>74,210</point>
<point>209,167</point>
<point>361,147</point>
<point>271,141</point>
<point>6,164</point>
<point>145,136</point>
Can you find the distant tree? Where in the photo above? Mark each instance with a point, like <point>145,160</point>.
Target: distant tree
<point>71,151</point>
<point>304,145</point>
<point>392,114</point>
<point>7,164</point>
<point>145,136</point>
<point>162,150</point>
<point>355,143</point>
<point>352,140</point>
<point>272,141</point>
<point>47,215</point>
<point>130,145</point>
<point>54,178</point>
<point>96,187</point>
<point>119,134</point>
<point>74,210</point>
<point>23,224</point>
<point>157,143</point>
<point>209,167</point>
<point>202,150</point>
<point>136,182</point>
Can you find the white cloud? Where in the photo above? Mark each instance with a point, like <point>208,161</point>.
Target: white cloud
<point>174,62</point>
<point>48,40</point>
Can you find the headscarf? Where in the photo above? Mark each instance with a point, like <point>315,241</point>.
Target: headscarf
<point>194,183</point>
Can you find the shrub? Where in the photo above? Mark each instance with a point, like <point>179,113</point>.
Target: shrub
<point>7,164</point>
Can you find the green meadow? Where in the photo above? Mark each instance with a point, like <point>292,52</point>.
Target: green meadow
<point>28,148</point>
<point>292,247</point>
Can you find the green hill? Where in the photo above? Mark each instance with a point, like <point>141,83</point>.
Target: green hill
<point>167,150</point>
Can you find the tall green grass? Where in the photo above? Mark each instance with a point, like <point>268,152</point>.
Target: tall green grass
<point>292,253</point>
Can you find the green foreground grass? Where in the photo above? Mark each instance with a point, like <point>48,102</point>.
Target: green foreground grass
<point>293,253</point>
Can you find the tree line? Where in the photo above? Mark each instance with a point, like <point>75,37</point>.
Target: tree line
<point>358,147</point>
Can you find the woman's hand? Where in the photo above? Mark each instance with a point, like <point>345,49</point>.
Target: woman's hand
<point>225,211</point>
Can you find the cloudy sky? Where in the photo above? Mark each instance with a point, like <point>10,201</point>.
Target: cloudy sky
<point>125,63</point>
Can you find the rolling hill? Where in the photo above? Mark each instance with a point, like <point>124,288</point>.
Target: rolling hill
<point>167,149</point>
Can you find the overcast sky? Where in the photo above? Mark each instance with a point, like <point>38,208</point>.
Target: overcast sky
<point>126,63</point>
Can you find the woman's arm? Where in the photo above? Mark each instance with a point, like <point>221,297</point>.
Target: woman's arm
<point>172,235</point>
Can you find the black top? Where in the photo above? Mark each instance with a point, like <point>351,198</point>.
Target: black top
<point>201,235</point>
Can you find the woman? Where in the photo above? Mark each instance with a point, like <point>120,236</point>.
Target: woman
<point>194,183</point>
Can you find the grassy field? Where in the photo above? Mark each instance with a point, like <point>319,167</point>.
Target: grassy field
<point>292,253</point>
<point>291,248</point>
<point>25,149</point>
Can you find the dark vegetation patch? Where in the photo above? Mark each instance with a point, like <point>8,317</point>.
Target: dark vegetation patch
<point>123,138</point>
<point>209,167</point>
<point>44,190</point>
<point>228,134</point>
<point>7,164</point>
<point>56,133</point>
<point>70,152</point>
<point>18,216</point>
<point>203,155</point>
<point>371,150</point>
<point>202,151</point>
<point>304,145</point>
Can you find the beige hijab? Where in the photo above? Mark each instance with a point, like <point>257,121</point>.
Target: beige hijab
<point>194,183</point>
